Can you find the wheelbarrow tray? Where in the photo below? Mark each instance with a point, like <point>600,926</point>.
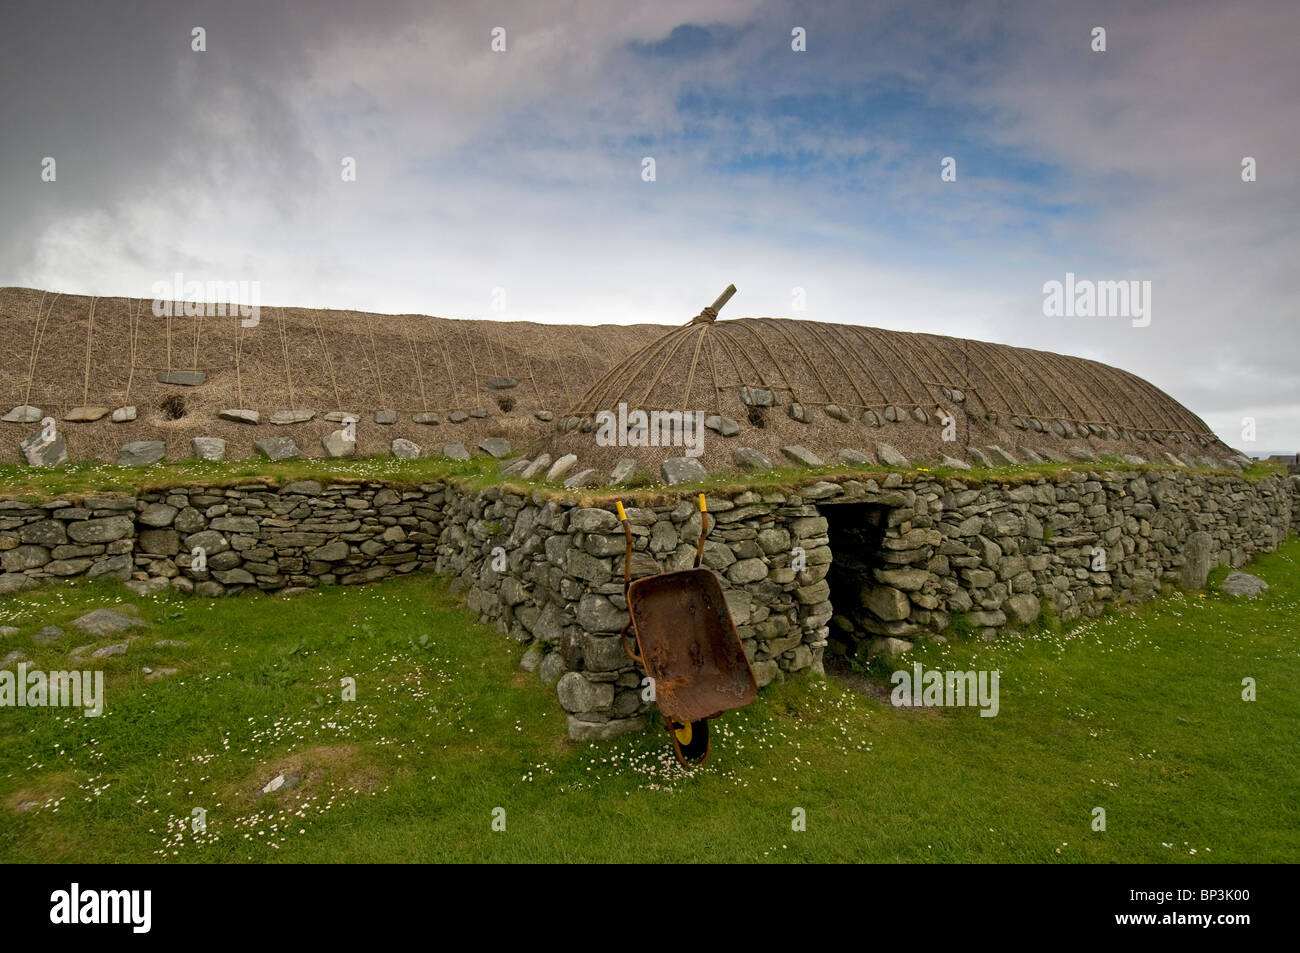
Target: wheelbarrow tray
<point>689,645</point>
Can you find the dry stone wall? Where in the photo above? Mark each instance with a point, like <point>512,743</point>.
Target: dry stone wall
<point>911,556</point>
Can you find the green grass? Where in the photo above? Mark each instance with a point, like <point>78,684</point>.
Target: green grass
<point>79,479</point>
<point>1139,712</point>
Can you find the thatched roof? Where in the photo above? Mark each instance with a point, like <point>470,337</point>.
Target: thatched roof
<point>858,369</point>
<point>828,387</point>
<point>62,351</point>
<point>824,386</point>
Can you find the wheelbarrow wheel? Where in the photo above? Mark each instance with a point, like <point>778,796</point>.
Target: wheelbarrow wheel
<point>690,741</point>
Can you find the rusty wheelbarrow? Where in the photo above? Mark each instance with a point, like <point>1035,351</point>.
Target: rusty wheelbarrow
<point>688,645</point>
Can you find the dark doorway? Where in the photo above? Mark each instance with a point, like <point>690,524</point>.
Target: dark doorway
<point>855,531</point>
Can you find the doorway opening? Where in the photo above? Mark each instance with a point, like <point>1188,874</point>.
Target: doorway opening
<point>855,531</point>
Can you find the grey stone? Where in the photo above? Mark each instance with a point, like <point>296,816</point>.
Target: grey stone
<point>561,466</point>
<point>44,533</point>
<point>890,457</point>
<point>577,694</point>
<point>502,383</point>
<point>592,520</point>
<point>110,651</point>
<point>871,419</point>
<point>853,458</point>
<point>495,446</point>
<point>591,568</point>
<point>455,451</point>
<point>754,461</point>
<point>386,417</point>
<point>332,552</point>
<point>803,456</point>
<point>886,602</point>
<point>181,378</point>
<point>209,448</point>
<point>622,472</point>
<point>888,647</point>
<point>282,418</point>
<point>148,587</point>
<point>24,557</point>
<point>1243,584</point>
<point>277,448</point>
<point>478,413</point>
<point>11,582</point>
<point>458,416</point>
<point>532,659</point>
<point>1199,552</point>
<point>835,412</point>
<point>123,415</point>
<point>1023,608</point>
<point>540,465</point>
<point>580,730</point>
<point>107,622</point>
<point>405,449</point>
<point>235,524</point>
<point>1002,457</point>
<point>722,425</point>
<point>909,580</point>
<point>953,463</point>
<point>337,444</point>
<point>22,414</point>
<point>551,668</point>
<point>544,415</point>
<point>48,635</point>
<point>117,567</point>
<point>141,453</point>
<point>303,487</point>
<point>429,418</point>
<point>597,614</point>
<point>757,396</point>
<point>86,415</point>
<point>743,571</point>
<point>583,478</point>
<point>241,416</point>
<point>798,412</point>
<point>675,470</point>
<point>159,542</point>
<point>40,452</point>
<point>157,514</point>
<point>103,530</point>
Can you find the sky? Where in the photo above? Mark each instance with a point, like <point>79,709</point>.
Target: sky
<point>512,183</point>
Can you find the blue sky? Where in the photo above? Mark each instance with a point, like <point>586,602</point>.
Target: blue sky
<point>776,170</point>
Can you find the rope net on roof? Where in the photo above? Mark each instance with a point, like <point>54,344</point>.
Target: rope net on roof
<point>704,365</point>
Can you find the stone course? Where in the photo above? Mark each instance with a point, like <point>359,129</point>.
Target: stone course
<point>918,552</point>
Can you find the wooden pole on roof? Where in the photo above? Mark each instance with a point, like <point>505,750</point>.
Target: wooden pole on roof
<point>710,314</point>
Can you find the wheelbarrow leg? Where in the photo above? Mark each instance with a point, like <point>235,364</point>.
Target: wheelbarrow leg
<point>690,742</point>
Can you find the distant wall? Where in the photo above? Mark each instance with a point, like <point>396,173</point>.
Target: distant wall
<point>549,574</point>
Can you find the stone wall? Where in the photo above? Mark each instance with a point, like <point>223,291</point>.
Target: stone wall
<point>915,556</point>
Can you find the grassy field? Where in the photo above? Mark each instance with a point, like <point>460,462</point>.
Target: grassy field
<point>1139,713</point>
<point>76,479</point>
